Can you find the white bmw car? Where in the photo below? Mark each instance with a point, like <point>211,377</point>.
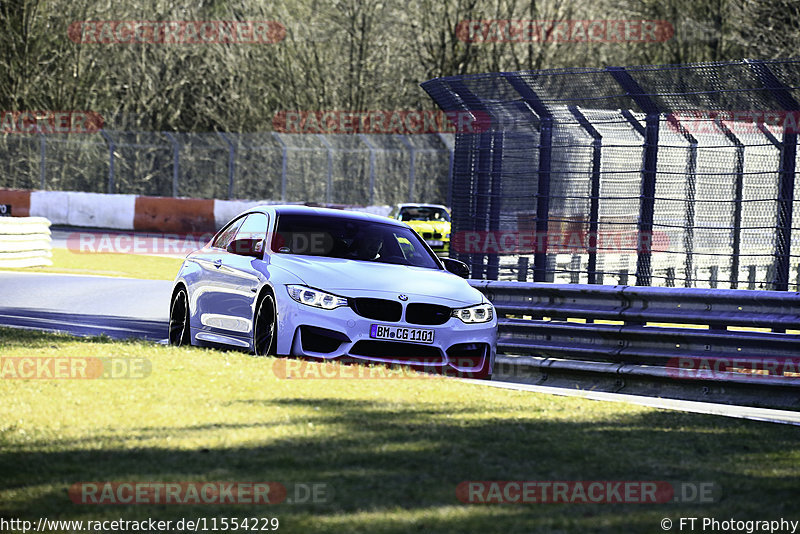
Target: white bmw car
<point>324,283</point>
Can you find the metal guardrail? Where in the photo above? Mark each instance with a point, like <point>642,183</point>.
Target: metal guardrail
<point>25,242</point>
<point>706,344</point>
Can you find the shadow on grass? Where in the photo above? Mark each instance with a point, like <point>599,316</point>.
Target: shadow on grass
<point>378,459</point>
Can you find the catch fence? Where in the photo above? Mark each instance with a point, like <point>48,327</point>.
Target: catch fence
<point>360,169</point>
<point>673,175</point>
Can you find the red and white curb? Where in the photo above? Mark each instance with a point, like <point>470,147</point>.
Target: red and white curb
<point>132,212</point>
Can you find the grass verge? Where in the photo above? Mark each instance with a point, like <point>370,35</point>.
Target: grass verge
<point>109,264</point>
<point>391,452</point>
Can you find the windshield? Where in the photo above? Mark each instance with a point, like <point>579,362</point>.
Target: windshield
<point>423,213</point>
<point>352,239</point>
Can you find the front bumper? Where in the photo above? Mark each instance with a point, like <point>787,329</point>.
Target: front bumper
<point>342,333</point>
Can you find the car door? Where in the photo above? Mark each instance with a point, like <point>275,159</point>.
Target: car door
<point>242,277</point>
<point>208,291</point>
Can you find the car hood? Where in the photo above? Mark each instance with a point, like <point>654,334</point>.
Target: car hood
<point>354,278</point>
<point>430,226</point>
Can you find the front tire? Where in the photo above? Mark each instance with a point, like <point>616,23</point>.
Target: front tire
<point>265,326</point>
<point>179,334</point>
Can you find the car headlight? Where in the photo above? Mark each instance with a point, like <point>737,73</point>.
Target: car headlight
<point>481,313</point>
<point>315,297</point>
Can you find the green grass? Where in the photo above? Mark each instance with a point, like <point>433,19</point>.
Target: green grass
<point>391,451</point>
<point>109,264</point>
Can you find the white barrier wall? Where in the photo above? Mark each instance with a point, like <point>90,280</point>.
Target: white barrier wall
<point>25,242</point>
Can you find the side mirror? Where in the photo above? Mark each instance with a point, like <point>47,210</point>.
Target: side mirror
<point>456,267</point>
<point>247,247</point>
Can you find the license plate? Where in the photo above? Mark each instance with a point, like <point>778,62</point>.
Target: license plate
<point>436,243</point>
<point>401,333</point>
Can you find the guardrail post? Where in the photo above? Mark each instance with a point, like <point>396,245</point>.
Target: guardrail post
<point>647,203</point>
<point>751,277</point>
<point>545,160</point>
<point>594,195</point>
<point>783,229</point>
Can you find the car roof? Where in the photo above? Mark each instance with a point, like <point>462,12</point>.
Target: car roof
<point>421,205</point>
<point>293,209</point>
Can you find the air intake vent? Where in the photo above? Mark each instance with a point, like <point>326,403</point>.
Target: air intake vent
<point>377,309</point>
<point>427,314</point>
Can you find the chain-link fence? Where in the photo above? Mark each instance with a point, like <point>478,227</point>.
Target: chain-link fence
<point>680,175</point>
<point>362,169</point>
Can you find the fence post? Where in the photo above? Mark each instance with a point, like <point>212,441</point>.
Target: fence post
<point>575,269</point>
<point>284,156</point>
<point>648,192</point>
<point>329,176</point>
<point>737,198</point>
<point>594,195</point>
<point>495,193</point>
<point>469,198</point>
<point>545,160</point>
<point>691,190</point>
<point>175,162</point>
<point>783,229</point>
<point>42,161</point>
<point>522,269</point>
<point>713,276</point>
<point>451,154</point>
<point>231,162</point>
<point>111,148</point>
<point>371,147</point>
<point>412,172</point>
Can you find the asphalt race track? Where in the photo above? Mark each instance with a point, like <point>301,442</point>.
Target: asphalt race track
<point>85,305</point>
<point>131,308</point>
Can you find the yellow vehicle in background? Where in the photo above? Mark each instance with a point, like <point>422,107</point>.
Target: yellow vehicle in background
<point>430,221</point>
